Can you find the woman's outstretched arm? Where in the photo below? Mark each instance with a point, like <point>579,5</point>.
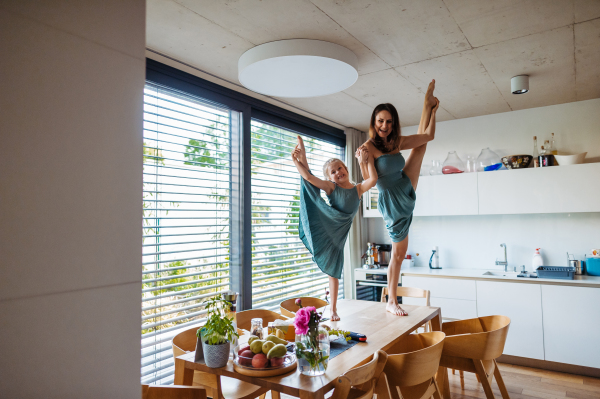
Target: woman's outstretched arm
<point>370,182</point>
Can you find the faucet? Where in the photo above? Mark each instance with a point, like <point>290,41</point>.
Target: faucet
<point>505,262</point>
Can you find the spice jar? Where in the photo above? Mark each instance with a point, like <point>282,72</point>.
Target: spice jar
<point>256,328</point>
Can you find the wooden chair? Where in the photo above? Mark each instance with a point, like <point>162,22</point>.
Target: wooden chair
<point>473,345</point>
<point>243,318</point>
<point>289,308</point>
<point>172,392</point>
<point>410,292</point>
<point>362,381</point>
<point>225,387</point>
<point>412,365</point>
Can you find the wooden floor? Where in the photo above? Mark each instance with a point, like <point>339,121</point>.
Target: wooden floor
<point>526,382</point>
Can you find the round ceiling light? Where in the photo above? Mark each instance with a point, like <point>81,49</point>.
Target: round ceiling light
<point>298,68</point>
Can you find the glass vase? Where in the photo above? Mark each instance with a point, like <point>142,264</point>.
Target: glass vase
<point>436,168</point>
<point>471,164</point>
<point>453,164</point>
<point>312,351</point>
<point>488,161</point>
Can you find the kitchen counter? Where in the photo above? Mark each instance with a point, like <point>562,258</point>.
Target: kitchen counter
<point>478,274</point>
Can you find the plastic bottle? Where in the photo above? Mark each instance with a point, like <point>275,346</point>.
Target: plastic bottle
<point>537,260</point>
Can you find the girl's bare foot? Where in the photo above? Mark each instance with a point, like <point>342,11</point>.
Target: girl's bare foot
<point>334,316</point>
<point>395,309</point>
<point>430,100</point>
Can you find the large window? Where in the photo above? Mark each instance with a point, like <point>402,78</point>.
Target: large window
<point>220,206</point>
<point>282,267</point>
<point>186,220</point>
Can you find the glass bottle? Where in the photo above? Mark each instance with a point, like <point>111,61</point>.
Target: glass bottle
<point>488,161</point>
<point>536,154</point>
<point>436,168</point>
<point>552,148</point>
<point>453,164</point>
<point>256,327</point>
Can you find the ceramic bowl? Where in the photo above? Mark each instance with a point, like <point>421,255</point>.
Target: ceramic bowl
<point>517,161</point>
<point>575,159</point>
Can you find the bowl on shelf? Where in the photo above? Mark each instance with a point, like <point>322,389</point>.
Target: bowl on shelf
<point>517,161</point>
<point>575,159</point>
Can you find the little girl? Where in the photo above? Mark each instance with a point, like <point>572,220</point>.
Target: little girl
<point>322,228</point>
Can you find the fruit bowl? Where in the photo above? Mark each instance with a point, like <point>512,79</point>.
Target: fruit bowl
<point>516,161</point>
<point>257,365</point>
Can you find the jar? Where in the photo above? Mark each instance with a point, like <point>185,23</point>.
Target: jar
<point>312,351</point>
<point>436,168</point>
<point>488,161</point>
<point>471,165</point>
<point>453,164</point>
<point>256,328</point>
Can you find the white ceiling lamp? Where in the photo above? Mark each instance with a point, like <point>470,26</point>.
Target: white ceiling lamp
<point>298,68</point>
<point>519,84</point>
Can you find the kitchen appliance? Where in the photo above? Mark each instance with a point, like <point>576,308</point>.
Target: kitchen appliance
<point>384,252</point>
<point>370,282</point>
<point>572,262</point>
<point>434,261</point>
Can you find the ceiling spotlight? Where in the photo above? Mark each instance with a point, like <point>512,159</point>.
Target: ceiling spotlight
<point>519,84</point>
<point>298,68</point>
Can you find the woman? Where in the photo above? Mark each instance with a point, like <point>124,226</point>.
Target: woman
<point>397,179</point>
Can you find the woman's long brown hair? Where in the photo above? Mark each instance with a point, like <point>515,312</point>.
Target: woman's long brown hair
<point>392,141</point>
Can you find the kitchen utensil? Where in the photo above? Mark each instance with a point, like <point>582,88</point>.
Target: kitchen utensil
<point>517,161</point>
<point>574,159</point>
<point>572,262</point>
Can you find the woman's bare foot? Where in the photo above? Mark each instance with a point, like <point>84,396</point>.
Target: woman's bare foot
<point>395,309</point>
<point>334,316</point>
<point>430,100</point>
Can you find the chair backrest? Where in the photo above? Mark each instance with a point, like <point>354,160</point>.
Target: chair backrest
<point>408,292</point>
<point>243,318</point>
<point>414,359</point>
<point>289,308</point>
<point>479,338</point>
<point>365,376</point>
<point>172,392</point>
<point>184,342</point>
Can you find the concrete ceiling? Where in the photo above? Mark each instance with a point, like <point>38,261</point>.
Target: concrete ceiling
<point>471,47</point>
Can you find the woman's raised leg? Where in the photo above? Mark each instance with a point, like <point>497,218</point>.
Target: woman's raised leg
<point>334,286</point>
<point>398,252</point>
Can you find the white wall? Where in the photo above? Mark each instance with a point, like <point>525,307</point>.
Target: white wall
<point>473,241</point>
<point>70,194</point>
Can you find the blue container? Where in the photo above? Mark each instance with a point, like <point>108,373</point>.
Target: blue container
<point>592,266</point>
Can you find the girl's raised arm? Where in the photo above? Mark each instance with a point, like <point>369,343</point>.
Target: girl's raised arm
<point>371,179</point>
<point>297,155</point>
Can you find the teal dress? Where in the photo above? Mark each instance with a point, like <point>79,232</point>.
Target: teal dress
<point>396,195</point>
<point>324,229</point>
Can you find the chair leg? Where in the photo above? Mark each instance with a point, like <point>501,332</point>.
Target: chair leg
<point>436,394</point>
<point>500,381</point>
<point>462,379</point>
<point>443,382</point>
<point>478,380</point>
<point>485,382</point>
<point>453,372</point>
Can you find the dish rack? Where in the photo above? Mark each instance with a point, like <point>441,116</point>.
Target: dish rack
<point>557,272</point>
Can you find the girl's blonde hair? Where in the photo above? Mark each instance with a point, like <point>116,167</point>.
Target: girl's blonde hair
<point>328,163</point>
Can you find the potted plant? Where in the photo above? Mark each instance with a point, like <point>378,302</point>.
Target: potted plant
<point>217,333</point>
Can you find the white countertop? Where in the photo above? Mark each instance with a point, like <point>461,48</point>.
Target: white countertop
<point>478,274</point>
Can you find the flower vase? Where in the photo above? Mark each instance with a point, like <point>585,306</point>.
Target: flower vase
<point>488,161</point>
<point>453,164</point>
<point>312,351</point>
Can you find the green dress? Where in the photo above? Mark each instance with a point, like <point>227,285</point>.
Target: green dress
<point>324,229</point>
<point>396,195</point>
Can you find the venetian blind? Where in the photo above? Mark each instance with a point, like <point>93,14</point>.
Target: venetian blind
<point>186,190</point>
<point>282,267</point>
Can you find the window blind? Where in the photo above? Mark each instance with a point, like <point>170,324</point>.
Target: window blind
<point>282,267</point>
<point>186,219</point>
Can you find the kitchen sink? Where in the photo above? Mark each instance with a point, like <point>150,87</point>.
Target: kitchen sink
<point>500,274</point>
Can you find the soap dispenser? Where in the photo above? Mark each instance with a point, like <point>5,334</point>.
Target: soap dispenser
<point>537,260</point>
<point>434,261</point>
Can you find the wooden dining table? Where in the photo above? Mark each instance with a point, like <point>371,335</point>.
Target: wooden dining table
<point>382,329</point>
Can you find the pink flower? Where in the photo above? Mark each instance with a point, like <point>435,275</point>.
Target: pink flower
<point>298,302</point>
<point>302,319</point>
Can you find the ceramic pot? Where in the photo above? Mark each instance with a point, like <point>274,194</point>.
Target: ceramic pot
<point>216,355</point>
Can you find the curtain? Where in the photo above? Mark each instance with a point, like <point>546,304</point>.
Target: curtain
<point>354,245</point>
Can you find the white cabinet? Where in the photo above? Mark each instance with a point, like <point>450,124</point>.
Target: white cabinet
<point>557,189</point>
<point>523,304</point>
<point>571,324</point>
<point>369,201</point>
<point>447,195</point>
<point>456,297</point>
